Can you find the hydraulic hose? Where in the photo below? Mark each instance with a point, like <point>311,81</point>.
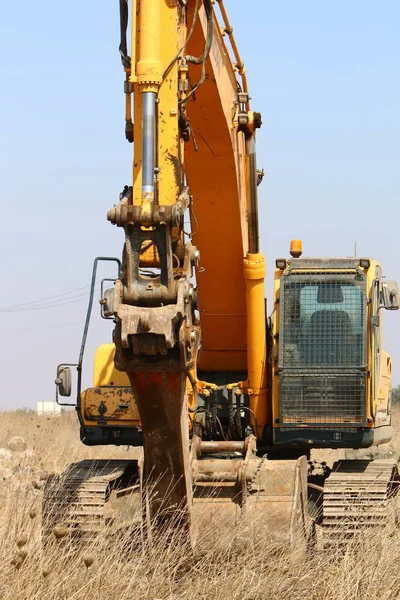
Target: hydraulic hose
<point>199,60</point>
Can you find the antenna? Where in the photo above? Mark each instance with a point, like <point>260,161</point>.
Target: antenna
<point>355,249</point>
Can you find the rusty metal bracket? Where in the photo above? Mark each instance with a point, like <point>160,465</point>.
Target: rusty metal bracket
<point>125,213</point>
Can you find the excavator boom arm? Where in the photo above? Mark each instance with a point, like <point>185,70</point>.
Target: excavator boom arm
<point>194,156</point>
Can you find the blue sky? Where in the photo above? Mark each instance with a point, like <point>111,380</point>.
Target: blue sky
<point>325,76</point>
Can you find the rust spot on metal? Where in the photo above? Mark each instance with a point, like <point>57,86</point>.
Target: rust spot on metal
<point>174,160</point>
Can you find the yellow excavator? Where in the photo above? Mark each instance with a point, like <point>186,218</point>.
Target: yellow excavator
<point>226,402</point>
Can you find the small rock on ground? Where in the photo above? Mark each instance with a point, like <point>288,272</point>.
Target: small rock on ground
<point>17,444</point>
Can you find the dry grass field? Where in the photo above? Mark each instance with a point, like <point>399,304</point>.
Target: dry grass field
<point>123,569</point>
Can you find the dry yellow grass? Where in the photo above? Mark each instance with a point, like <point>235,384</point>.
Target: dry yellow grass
<point>123,569</point>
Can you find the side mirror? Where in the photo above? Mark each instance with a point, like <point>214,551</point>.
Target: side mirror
<point>107,303</point>
<point>63,380</point>
<point>390,295</point>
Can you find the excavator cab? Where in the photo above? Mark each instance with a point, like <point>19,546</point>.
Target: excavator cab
<point>331,377</point>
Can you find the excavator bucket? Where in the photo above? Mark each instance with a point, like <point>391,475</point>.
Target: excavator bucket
<point>265,500</point>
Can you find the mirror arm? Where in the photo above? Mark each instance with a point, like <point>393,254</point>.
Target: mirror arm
<point>84,336</point>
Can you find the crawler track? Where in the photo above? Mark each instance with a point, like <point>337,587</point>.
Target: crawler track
<point>76,501</point>
<point>356,498</point>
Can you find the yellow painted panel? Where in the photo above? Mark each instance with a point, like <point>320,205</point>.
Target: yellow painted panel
<point>217,360</point>
<point>219,224</point>
<point>104,372</point>
<point>225,328</point>
<point>118,402</point>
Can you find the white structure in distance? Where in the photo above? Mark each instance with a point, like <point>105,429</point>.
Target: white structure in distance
<point>48,408</point>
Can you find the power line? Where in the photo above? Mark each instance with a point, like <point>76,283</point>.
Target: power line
<point>48,298</point>
<point>44,327</point>
<point>73,300</point>
<point>62,301</point>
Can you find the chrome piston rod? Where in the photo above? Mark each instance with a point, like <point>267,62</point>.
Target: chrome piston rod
<point>254,244</point>
<point>148,137</point>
